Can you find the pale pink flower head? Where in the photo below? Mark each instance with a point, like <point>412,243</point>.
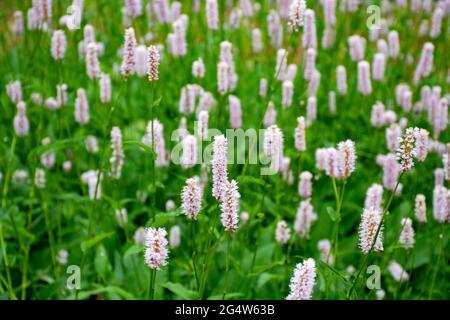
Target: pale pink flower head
<point>270,116</point>
<point>297,14</point>
<point>281,64</point>
<point>198,68</point>
<point>406,151</point>
<point>309,39</point>
<point>288,92</point>
<point>235,110</point>
<point>134,8</point>
<point>329,8</point>
<point>397,272</point>
<point>313,84</point>
<point>305,184</point>
<point>436,22</point>
<point>425,64</point>
<point>175,237</point>
<point>420,208</point>
<point>393,135</point>
<point>357,46</point>
<point>190,152</point>
<point>39,178</point>
<point>121,217</point>
<point>275,29</point>
<point>422,144</point>
<point>128,53</point>
<point>440,198</point>
<point>14,91</point>
<point>374,197</point>
<point>324,247</point>
<point>67,166</point>
<point>141,60</point>
<point>219,165</point>
<point>92,63</point>
<point>153,63</point>
<point>257,44</point>
<point>391,170</point>
<point>321,156</point>
<point>394,46</point>
<point>273,146</point>
<point>139,236</point>
<point>300,135</point>
<point>378,66</point>
<point>332,163</point>
<point>370,223</point>
<point>223,84</point>
<point>310,64</point>
<point>347,158</point>
<point>446,163</point>
<point>282,232</point>
<point>263,88</point>
<point>303,281</point>
<point>407,234</point>
<point>364,82</point>
<point>291,72</point>
<point>304,219</point>
<point>245,217</point>
<point>230,206</point>
<point>341,76</point>
<point>191,198</point>
<point>105,88</point>
<point>212,14</point>
<point>156,253</point>
<point>81,107</point>
<point>377,114</point>
<point>332,101</point>
<point>202,124</point>
<point>18,24</point>
<point>118,156</point>
<point>21,123</point>
<point>161,8</point>
<point>311,111</point>
<point>59,44</point>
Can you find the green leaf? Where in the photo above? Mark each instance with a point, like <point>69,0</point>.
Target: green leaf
<point>111,289</point>
<point>87,244</point>
<point>157,102</point>
<point>142,145</point>
<point>264,278</point>
<point>180,291</point>
<point>101,262</point>
<point>250,180</point>
<point>163,218</point>
<point>133,250</point>
<point>331,213</point>
<point>231,295</point>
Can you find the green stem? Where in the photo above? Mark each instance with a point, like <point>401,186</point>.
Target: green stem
<point>153,206</point>
<point>436,266</point>
<point>49,234</point>
<point>9,171</point>
<point>5,258</point>
<point>152,286</point>
<point>352,288</point>
<point>227,265</point>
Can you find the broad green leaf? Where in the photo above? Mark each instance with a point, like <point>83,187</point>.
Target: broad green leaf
<point>142,145</point>
<point>133,250</point>
<point>250,180</point>
<point>264,278</point>
<point>180,291</point>
<point>87,244</point>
